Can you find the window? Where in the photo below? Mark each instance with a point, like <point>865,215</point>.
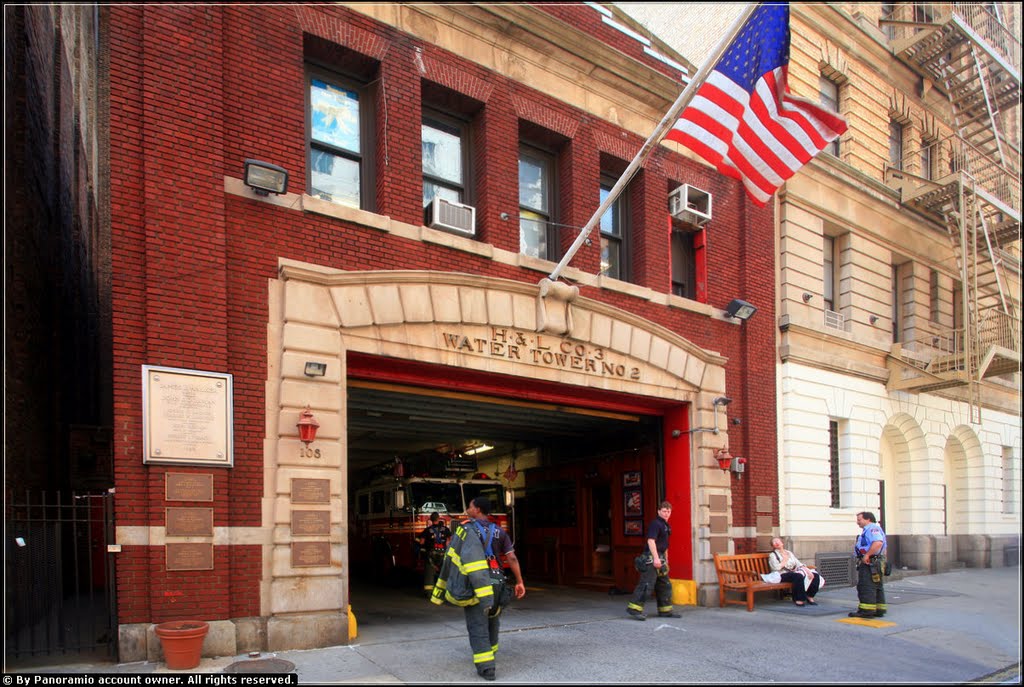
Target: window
<point>928,148</point>
<point>933,296</point>
<point>336,143</point>
<point>444,159</point>
<point>684,264</point>
<point>958,305</point>
<point>613,234</point>
<point>833,463</point>
<point>829,97</point>
<point>896,144</point>
<point>896,296</point>
<point>829,272</point>
<point>888,12</point>
<point>536,183</point>
<point>1009,482</point>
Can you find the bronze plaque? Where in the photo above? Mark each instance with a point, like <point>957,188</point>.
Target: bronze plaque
<point>717,503</point>
<point>189,522</point>
<point>187,417</point>
<point>182,486</point>
<point>311,490</point>
<point>719,524</point>
<point>189,556</point>
<point>764,504</point>
<point>311,554</point>
<point>307,522</point>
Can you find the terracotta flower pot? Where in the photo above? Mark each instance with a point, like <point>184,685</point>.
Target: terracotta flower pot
<point>182,641</point>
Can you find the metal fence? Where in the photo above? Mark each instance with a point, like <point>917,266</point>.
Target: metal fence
<point>59,578</point>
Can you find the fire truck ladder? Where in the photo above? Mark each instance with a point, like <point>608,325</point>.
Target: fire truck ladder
<point>968,52</point>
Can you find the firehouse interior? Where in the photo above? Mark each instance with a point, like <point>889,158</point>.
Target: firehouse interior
<point>572,484</point>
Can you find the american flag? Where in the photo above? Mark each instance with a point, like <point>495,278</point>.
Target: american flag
<point>743,119</point>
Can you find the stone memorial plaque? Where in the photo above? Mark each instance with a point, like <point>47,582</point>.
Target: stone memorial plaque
<point>189,556</point>
<point>189,522</point>
<point>182,486</point>
<point>311,522</point>
<point>187,417</point>
<point>311,554</point>
<point>311,490</point>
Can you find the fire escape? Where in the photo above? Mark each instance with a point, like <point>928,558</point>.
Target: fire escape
<point>969,183</point>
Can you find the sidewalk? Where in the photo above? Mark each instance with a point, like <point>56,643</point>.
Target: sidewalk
<point>961,626</point>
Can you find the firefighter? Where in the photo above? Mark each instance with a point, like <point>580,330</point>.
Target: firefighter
<point>655,572</point>
<point>433,542</point>
<point>470,577</point>
<point>870,551</point>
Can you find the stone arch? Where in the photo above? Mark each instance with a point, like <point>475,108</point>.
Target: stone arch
<point>452,319</point>
<point>963,467</point>
<point>468,321</point>
<point>902,454</point>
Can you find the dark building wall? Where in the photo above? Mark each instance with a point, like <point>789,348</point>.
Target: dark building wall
<point>57,410</point>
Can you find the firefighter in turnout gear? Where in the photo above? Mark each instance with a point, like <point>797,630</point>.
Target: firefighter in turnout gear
<point>655,572</point>
<point>433,542</point>
<point>471,577</point>
<point>870,553</point>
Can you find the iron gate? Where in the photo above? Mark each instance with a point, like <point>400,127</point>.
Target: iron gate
<point>59,585</point>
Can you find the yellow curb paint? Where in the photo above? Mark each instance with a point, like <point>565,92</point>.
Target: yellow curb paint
<point>869,622</point>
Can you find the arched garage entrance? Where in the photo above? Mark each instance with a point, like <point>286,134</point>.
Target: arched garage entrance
<point>475,335</point>
<point>587,469</point>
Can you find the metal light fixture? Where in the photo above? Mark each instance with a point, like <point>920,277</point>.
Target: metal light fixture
<point>719,401</point>
<point>806,296</point>
<point>307,425</point>
<point>873,319</point>
<point>477,448</point>
<point>724,458</point>
<point>264,178</point>
<point>740,309</point>
<point>315,369</point>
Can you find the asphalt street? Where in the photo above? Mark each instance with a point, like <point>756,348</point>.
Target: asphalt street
<point>955,627</point>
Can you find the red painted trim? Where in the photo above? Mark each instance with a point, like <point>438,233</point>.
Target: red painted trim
<point>378,369</point>
<point>678,491</point>
<point>700,262</point>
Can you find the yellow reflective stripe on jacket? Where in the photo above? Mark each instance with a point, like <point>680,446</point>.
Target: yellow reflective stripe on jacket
<point>458,602</point>
<point>481,592</point>
<point>473,567</point>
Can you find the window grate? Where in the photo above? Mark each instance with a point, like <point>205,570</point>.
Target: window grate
<point>837,567</point>
<point>835,320</point>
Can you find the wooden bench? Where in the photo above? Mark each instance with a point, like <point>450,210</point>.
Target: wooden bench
<point>742,573</point>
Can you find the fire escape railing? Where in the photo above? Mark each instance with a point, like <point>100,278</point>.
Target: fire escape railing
<point>969,182</point>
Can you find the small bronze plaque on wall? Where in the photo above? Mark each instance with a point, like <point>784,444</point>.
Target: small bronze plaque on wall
<point>311,554</point>
<point>189,522</point>
<point>311,490</point>
<point>189,556</point>
<point>182,486</point>
<point>311,522</point>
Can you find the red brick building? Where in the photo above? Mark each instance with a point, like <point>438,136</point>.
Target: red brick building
<point>433,333</point>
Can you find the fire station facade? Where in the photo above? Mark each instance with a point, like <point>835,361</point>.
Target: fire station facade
<point>516,120</point>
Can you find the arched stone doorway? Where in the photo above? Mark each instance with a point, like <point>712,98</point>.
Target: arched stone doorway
<point>480,325</point>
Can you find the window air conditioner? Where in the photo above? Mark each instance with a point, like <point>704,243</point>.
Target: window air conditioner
<point>690,204</point>
<point>454,217</point>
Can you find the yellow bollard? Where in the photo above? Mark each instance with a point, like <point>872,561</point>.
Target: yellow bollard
<point>353,627</point>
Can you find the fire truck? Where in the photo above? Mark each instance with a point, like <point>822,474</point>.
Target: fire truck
<point>390,512</point>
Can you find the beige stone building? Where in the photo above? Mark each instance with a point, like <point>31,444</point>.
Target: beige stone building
<point>899,283</point>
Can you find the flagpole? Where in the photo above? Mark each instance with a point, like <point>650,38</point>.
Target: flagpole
<point>655,138</point>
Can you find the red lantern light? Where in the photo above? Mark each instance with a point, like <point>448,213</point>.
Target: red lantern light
<point>307,425</point>
<point>724,458</point>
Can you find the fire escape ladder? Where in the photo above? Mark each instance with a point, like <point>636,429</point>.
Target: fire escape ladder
<point>975,60</point>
